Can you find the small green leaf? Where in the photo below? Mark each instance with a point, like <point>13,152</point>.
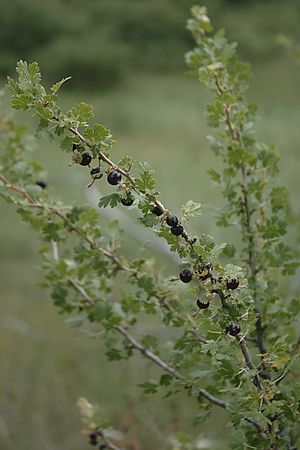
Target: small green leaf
<point>82,112</point>
<point>55,87</point>
<point>191,209</point>
<point>111,200</point>
<point>146,181</point>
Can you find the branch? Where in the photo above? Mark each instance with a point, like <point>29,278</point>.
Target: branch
<point>151,356</point>
<point>189,239</point>
<point>236,137</point>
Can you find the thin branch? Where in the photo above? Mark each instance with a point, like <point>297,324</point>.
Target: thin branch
<point>241,341</point>
<point>151,356</point>
<point>189,239</point>
<point>236,137</point>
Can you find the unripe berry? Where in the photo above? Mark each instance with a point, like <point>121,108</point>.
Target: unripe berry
<point>232,284</point>
<point>233,329</point>
<point>157,210</point>
<point>42,184</point>
<point>177,230</point>
<point>172,220</point>
<point>202,305</point>
<point>114,177</point>
<point>85,159</point>
<point>186,275</point>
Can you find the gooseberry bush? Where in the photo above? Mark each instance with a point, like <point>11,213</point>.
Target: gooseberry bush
<point>236,344</point>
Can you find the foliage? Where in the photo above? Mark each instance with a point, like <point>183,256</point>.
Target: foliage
<point>235,336</point>
<point>107,40</point>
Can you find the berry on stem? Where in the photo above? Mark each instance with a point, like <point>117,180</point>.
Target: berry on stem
<point>186,275</point>
<point>96,172</point>
<point>177,230</point>
<point>172,220</point>
<point>232,284</point>
<point>202,305</point>
<point>233,329</point>
<point>157,211</point>
<point>85,159</point>
<point>127,201</point>
<point>114,177</point>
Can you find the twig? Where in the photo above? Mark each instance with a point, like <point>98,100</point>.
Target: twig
<point>235,136</point>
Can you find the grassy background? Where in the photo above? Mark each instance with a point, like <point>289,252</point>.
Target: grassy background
<point>158,117</point>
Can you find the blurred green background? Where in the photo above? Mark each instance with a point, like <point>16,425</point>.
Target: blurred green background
<point>126,58</point>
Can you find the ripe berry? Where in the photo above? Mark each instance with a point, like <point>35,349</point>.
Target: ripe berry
<point>114,177</point>
<point>233,329</point>
<point>42,184</point>
<point>96,173</point>
<point>127,201</point>
<point>157,211</point>
<point>95,170</point>
<point>177,230</point>
<point>202,305</point>
<point>93,438</point>
<point>186,275</point>
<point>75,146</point>
<point>172,220</point>
<point>85,159</point>
<point>232,284</point>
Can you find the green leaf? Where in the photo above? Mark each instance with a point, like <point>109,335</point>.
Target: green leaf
<point>29,74</point>
<point>191,209</point>
<point>149,387</point>
<point>55,87</point>
<point>21,101</point>
<point>111,200</point>
<point>96,134</point>
<point>146,181</point>
<point>82,112</point>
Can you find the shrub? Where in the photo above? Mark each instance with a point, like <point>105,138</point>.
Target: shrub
<point>236,342</point>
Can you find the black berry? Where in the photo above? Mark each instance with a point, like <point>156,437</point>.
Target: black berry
<point>233,329</point>
<point>42,184</point>
<point>114,177</point>
<point>157,210</point>
<point>93,438</point>
<point>85,159</point>
<point>186,275</point>
<point>75,146</point>
<point>95,170</point>
<point>177,230</point>
<point>127,201</point>
<point>232,284</point>
<point>172,220</point>
<point>96,173</point>
<point>202,305</point>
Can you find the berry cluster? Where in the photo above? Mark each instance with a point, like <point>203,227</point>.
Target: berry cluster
<point>205,273</point>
